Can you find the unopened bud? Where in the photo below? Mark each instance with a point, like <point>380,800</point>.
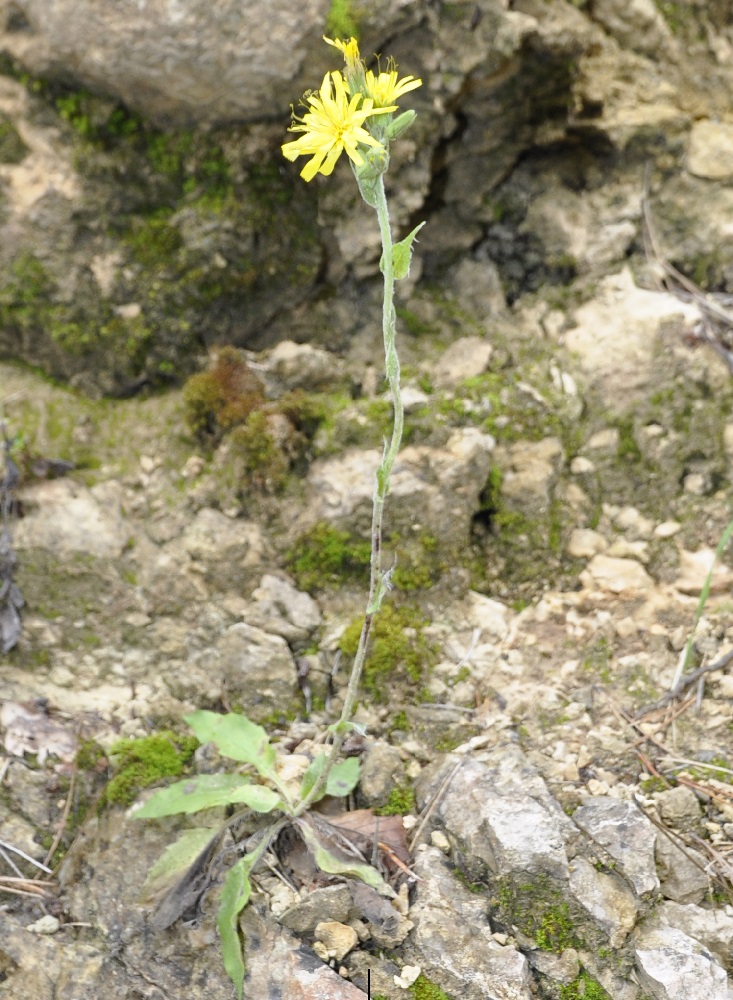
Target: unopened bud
<point>400,124</point>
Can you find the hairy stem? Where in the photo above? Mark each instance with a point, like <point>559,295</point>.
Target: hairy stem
<point>379,582</point>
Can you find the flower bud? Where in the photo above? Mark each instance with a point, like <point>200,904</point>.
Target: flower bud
<point>400,124</point>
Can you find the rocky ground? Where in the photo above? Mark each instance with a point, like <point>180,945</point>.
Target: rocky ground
<point>561,799</point>
<point>568,838</point>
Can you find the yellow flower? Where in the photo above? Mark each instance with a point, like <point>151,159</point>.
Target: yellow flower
<point>350,50</point>
<point>334,123</point>
<point>385,88</point>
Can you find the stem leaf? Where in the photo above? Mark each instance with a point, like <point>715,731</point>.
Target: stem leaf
<point>176,858</point>
<point>402,254</point>
<point>311,776</point>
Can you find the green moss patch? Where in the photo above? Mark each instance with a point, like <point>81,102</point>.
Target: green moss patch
<point>583,988</point>
<point>537,908</point>
<point>399,652</point>
<point>326,557</point>
<point>143,762</point>
<point>423,989</point>
<point>400,802</point>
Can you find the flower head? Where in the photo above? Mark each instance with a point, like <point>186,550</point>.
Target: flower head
<point>350,50</point>
<point>385,88</point>
<point>333,124</point>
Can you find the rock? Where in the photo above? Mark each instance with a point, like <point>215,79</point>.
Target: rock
<point>605,898</point>
<point>615,334</point>
<point>488,615</point>
<point>229,552</point>
<point>435,486</point>
<point>529,469</point>
<point>636,24</point>
<point>562,969</point>
<point>500,816</point>
<point>615,575</point>
<point>710,150</point>
<point>381,771</point>
<point>65,517</point>
<point>682,873</point>
<point>302,366</point>
<point>280,608</point>
<point>465,358</point>
<point>694,568</point>
<point>453,938</point>
<point>678,807</point>
<point>45,925</point>
<point>331,902</point>
<point>622,830</point>
<point>245,663</point>
<point>712,928</point>
<point>337,939</point>
<point>673,966</point>
<point>585,543</point>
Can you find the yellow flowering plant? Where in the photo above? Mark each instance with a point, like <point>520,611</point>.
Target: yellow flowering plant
<point>353,113</point>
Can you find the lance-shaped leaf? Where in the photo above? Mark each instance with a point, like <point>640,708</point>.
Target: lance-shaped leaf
<point>343,777</point>
<point>234,897</point>
<point>334,863</point>
<point>206,791</point>
<point>176,858</point>
<point>312,774</point>
<point>402,254</point>
<point>236,737</point>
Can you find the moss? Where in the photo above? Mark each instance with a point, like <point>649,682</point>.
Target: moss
<point>91,756</point>
<point>398,650</point>
<point>12,147</point>
<point>423,989</point>
<point>399,722</point>
<point>256,456</point>
<point>342,20</point>
<point>539,911</point>
<point>583,988</point>
<point>477,888</point>
<point>597,660</point>
<point>652,784</point>
<point>628,449</point>
<point>401,801</point>
<point>326,557</point>
<point>143,762</point>
<point>222,397</point>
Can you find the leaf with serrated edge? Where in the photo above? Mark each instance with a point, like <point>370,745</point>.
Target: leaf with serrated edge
<point>343,777</point>
<point>402,254</point>
<point>312,774</point>
<point>236,737</point>
<point>204,791</point>
<point>175,859</point>
<point>234,897</point>
<point>332,864</point>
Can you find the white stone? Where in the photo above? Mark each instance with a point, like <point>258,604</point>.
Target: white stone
<point>667,529</point>
<point>487,614</point>
<point>580,465</point>
<point>465,358</point>
<point>605,898</point>
<point>615,575</point>
<point>673,966</point>
<point>338,939</point>
<point>694,568</point>
<point>710,150</point>
<point>585,543</point>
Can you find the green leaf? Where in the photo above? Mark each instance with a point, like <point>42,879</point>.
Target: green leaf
<point>402,254</point>
<point>261,798</point>
<point>234,897</point>
<point>176,858</point>
<point>193,794</point>
<point>333,864</point>
<point>343,777</point>
<point>236,737</point>
<point>312,774</point>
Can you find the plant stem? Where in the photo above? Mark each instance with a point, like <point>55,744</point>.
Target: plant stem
<point>379,582</point>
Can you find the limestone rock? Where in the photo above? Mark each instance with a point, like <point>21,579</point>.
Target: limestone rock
<point>611,905</point>
<point>678,807</point>
<point>331,902</point>
<point>673,966</point>
<point>302,366</point>
<point>585,543</point>
<point>65,517</point>
<point>615,575</point>
<point>693,571</point>
<point>682,873</point>
<point>278,607</point>
<point>465,358</point>
<point>712,928</point>
<point>501,817</point>
<point>626,834</point>
<point>337,939</point>
<point>381,771</point>
<point>229,552</point>
<point>453,938</point>
<point>710,150</point>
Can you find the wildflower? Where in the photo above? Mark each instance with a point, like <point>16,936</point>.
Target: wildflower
<point>349,49</point>
<point>334,123</point>
<point>385,88</point>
